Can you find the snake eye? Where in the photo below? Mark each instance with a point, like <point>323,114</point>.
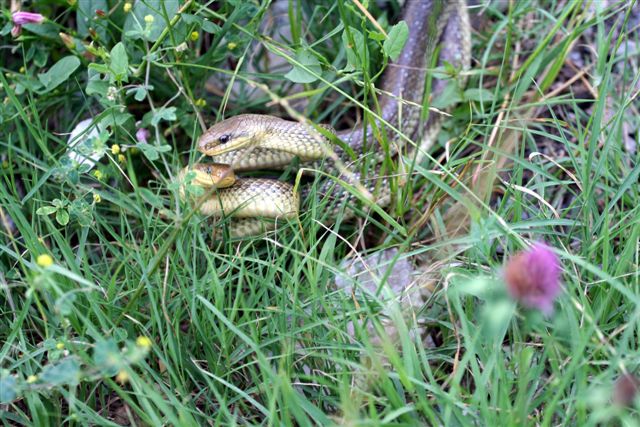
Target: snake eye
<point>224,139</point>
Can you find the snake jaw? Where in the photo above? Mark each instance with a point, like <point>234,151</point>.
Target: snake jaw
<point>207,175</point>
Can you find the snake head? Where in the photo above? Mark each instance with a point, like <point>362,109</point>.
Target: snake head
<point>228,135</point>
<point>213,174</point>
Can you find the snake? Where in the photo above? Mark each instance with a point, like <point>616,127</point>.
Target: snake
<point>248,142</point>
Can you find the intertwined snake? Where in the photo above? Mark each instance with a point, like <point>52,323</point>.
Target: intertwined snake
<point>249,141</point>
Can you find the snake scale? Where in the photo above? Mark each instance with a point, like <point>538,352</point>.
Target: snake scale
<point>250,141</point>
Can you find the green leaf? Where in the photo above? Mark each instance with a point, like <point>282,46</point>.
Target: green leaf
<point>98,87</point>
<point>377,36</point>
<point>135,18</point>
<point>167,114</point>
<point>308,71</point>
<point>107,357</point>
<point>65,372</point>
<point>8,389</point>
<point>141,92</point>
<point>119,62</point>
<point>62,217</point>
<point>64,304</point>
<point>450,96</point>
<point>7,28</point>
<point>100,68</point>
<point>496,317</point>
<point>478,94</point>
<point>44,30</point>
<point>59,73</point>
<point>116,118</point>
<point>86,18</point>
<point>356,52</point>
<point>46,210</point>
<point>151,151</point>
<point>210,27</point>
<point>58,203</point>
<point>151,198</point>
<point>189,19</point>
<point>396,40</point>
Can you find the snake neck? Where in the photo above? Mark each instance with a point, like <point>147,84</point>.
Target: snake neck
<point>403,83</point>
<point>296,139</point>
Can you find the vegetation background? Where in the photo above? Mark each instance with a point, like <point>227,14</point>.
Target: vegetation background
<point>117,307</point>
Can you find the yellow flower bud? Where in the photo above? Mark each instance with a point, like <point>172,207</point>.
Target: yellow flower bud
<point>148,19</point>
<point>231,45</point>
<point>44,260</point>
<point>60,345</point>
<point>97,198</point>
<point>201,103</point>
<point>194,35</point>
<point>143,342</point>
<point>121,158</point>
<point>99,175</point>
<point>127,7</point>
<point>122,377</point>
<point>32,379</point>
<point>115,149</point>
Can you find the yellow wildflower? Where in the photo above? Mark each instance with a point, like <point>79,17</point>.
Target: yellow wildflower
<point>194,35</point>
<point>201,103</point>
<point>97,198</point>
<point>44,260</point>
<point>32,379</point>
<point>122,377</point>
<point>148,19</point>
<point>127,7</point>
<point>231,45</point>
<point>121,158</point>
<point>115,149</point>
<point>143,342</point>
<point>60,345</point>
<point>98,174</point>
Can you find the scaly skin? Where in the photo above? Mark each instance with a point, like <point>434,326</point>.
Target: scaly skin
<point>251,141</point>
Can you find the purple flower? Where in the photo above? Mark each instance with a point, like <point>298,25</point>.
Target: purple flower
<point>142,135</point>
<point>533,277</point>
<point>21,18</point>
<point>626,389</point>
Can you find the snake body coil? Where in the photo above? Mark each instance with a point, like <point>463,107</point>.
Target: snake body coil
<point>249,141</point>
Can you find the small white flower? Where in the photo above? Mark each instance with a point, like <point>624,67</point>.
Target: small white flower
<point>112,92</point>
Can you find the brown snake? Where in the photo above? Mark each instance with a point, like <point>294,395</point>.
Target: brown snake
<point>250,142</point>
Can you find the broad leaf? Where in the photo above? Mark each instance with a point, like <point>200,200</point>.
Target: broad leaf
<point>396,40</point>
<point>59,73</point>
<point>63,373</point>
<point>86,18</point>
<point>119,62</point>
<point>8,389</point>
<point>356,51</point>
<point>167,114</point>
<point>308,71</point>
<point>135,18</point>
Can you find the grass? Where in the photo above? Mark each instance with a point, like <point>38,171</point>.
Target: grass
<point>542,147</point>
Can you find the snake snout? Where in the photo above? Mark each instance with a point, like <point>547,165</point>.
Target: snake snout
<point>208,142</point>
